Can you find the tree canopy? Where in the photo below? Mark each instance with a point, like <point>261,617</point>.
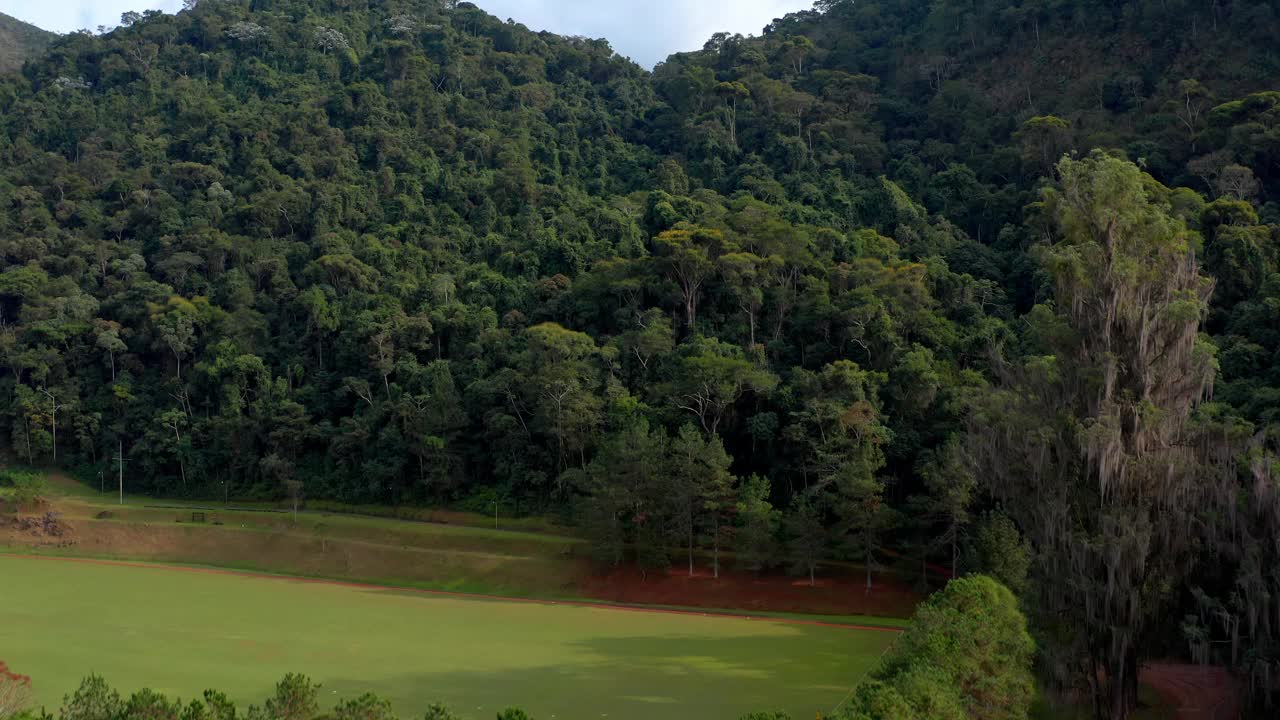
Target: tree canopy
<point>801,295</point>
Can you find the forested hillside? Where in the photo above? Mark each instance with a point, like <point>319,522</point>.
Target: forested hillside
<point>19,41</point>
<point>405,252</point>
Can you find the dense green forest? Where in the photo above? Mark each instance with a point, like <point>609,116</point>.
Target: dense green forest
<point>802,295</point>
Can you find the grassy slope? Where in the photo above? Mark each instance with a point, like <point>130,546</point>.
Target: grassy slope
<point>19,41</point>
<point>471,558</point>
<point>181,632</point>
<point>421,555</point>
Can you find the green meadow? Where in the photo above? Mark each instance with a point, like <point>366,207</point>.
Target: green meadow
<point>180,631</point>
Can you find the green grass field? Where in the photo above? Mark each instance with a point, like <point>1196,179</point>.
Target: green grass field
<point>180,632</point>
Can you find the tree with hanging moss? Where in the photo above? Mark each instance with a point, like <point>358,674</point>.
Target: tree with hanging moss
<point>1091,441</point>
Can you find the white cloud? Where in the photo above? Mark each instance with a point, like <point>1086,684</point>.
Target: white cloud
<point>645,30</point>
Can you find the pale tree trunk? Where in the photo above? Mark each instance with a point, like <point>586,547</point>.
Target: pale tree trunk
<point>868,570</point>
<point>54,417</point>
<point>120,458</point>
<point>691,545</point>
<point>182,468</point>
<point>716,546</point>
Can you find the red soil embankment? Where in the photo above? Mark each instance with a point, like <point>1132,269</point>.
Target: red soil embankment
<point>839,595</point>
<point>1198,693</point>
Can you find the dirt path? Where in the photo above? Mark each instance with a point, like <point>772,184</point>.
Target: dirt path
<point>446,593</point>
<point>1199,693</point>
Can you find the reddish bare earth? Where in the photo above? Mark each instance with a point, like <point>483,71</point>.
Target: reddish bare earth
<point>778,593</point>
<point>1199,693</point>
<point>446,593</point>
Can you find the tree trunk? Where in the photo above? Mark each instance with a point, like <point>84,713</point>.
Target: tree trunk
<point>1094,687</point>
<point>868,570</point>
<point>1122,686</point>
<point>690,546</point>
<point>733,124</point>
<point>715,546</point>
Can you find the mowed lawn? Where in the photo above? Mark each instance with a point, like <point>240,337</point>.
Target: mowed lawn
<point>181,631</point>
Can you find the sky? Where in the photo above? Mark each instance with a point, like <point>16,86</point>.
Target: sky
<point>647,31</point>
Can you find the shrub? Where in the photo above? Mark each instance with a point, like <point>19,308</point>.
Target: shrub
<point>439,712</point>
<point>295,699</point>
<point>15,692</point>
<point>967,655</point>
<point>29,489</point>
<point>150,705</point>
<point>216,706</point>
<point>93,700</point>
<point>366,707</point>
<point>998,550</point>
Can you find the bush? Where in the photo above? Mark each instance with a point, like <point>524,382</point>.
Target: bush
<point>15,692</point>
<point>967,655</point>
<point>998,550</point>
<point>30,490</point>
<point>366,707</point>
<point>439,712</point>
<point>150,705</point>
<point>93,700</point>
<point>295,699</point>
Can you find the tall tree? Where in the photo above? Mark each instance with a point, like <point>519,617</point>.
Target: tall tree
<point>1091,441</point>
<point>689,258</point>
<point>756,537</point>
<point>808,539</point>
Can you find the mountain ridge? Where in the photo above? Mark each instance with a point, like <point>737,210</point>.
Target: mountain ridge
<point>19,42</point>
